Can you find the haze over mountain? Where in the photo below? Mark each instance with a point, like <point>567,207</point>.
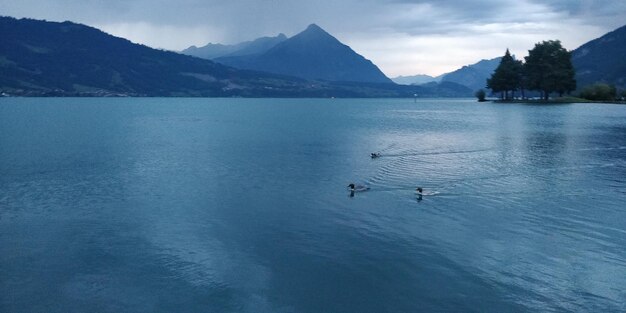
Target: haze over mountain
<point>257,46</point>
<point>602,60</point>
<point>415,79</point>
<point>312,54</point>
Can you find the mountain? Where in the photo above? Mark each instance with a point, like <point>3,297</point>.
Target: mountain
<point>473,76</point>
<point>312,54</point>
<point>257,46</point>
<point>415,79</point>
<point>39,58</point>
<point>602,60</point>
<point>49,58</point>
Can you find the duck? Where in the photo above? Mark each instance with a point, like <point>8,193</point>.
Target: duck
<point>358,188</point>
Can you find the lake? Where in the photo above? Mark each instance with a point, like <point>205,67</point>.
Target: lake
<point>241,205</point>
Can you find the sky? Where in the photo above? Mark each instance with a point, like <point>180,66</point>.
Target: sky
<point>402,37</point>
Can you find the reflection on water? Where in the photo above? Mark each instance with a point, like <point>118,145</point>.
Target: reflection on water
<point>233,205</point>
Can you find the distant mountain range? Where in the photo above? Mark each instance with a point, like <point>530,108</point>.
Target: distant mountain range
<point>416,79</point>
<point>311,54</point>
<point>472,76</point>
<point>39,58</point>
<point>257,46</point>
<point>602,60</point>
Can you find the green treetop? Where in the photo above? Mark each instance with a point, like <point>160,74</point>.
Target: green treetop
<point>507,77</point>
<point>549,69</point>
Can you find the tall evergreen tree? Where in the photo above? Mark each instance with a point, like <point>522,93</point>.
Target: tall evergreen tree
<point>549,69</point>
<point>507,76</point>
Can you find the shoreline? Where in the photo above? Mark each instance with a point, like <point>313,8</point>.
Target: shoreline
<point>562,100</point>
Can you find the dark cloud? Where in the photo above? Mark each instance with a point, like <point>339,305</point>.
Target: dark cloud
<point>254,16</point>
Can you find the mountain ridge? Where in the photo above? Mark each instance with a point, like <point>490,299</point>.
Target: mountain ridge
<point>602,59</point>
<point>215,50</point>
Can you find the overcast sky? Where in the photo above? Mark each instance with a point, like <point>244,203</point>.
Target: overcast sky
<point>402,37</point>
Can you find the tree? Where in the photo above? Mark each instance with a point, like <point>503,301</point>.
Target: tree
<point>480,94</point>
<point>599,91</point>
<point>549,69</point>
<point>507,76</point>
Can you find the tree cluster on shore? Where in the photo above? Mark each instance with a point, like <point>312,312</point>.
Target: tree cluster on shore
<point>547,69</point>
<point>602,92</point>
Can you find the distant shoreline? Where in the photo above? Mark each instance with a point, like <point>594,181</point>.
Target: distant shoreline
<point>562,100</point>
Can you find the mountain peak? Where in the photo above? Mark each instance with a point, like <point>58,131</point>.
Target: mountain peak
<point>314,26</point>
<point>315,34</point>
<point>315,30</point>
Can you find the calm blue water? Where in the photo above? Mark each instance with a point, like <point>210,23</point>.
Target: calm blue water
<point>220,205</point>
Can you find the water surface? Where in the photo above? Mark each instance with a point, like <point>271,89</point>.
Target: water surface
<point>240,205</point>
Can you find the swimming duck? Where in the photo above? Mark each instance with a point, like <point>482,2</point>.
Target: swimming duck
<point>357,188</point>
